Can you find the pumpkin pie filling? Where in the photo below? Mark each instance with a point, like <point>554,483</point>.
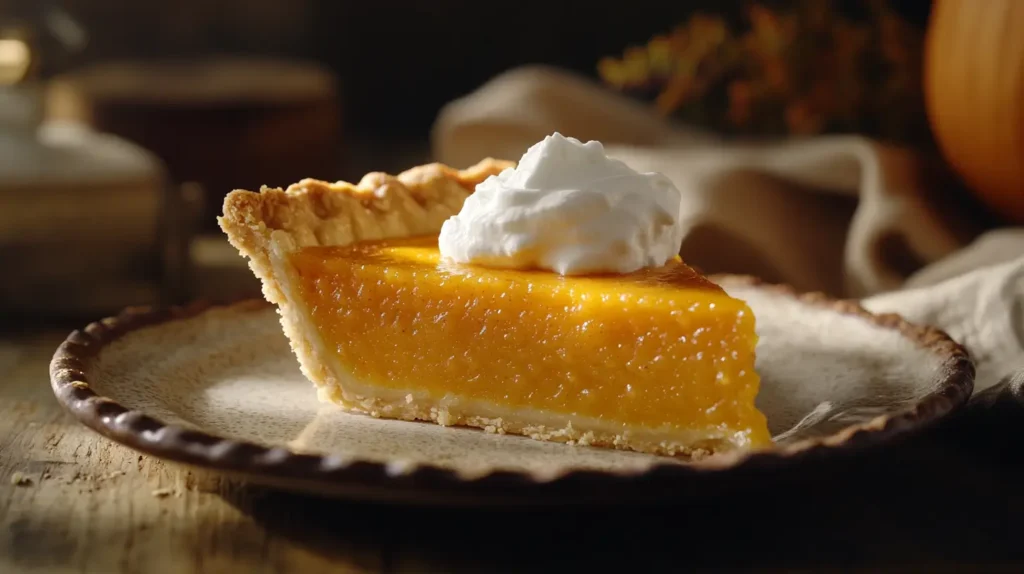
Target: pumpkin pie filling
<point>661,349</point>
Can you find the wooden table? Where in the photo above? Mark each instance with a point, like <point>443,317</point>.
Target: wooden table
<point>71,501</point>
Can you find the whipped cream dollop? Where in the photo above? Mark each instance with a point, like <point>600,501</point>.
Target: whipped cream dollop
<point>568,208</point>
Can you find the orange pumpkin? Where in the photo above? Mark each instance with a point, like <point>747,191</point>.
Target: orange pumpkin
<point>974,89</point>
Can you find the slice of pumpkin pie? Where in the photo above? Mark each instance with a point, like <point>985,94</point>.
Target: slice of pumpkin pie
<point>550,303</point>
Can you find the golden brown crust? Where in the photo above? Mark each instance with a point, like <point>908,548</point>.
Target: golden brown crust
<point>313,212</point>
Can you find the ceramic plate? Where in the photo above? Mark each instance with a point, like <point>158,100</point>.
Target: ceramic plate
<point>219,387</point>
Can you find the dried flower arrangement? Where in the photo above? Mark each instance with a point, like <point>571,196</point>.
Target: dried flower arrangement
<point>805,71</point>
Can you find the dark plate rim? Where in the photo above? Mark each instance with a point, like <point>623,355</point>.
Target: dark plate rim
<point>70,380</point>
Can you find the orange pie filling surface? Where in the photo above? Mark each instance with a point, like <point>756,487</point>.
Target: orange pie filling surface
<point>661,349</point>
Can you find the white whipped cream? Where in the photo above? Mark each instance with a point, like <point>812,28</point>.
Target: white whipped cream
<point>568,208</point>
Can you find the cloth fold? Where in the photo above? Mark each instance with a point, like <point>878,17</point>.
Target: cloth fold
<point>845,215</point>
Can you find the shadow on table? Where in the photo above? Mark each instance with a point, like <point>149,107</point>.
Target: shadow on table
<point>942,501</point>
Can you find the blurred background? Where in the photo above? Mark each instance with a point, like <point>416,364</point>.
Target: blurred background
<point>124,122</point>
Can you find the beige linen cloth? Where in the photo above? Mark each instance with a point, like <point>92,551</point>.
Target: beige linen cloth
<point>844,215</point>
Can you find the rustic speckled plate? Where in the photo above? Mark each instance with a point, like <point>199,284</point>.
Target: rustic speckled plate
<point>218,387</point>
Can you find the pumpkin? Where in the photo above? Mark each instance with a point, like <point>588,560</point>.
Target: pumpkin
<point>974,92</point>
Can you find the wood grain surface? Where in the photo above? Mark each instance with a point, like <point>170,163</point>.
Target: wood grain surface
<point>72,501</point>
